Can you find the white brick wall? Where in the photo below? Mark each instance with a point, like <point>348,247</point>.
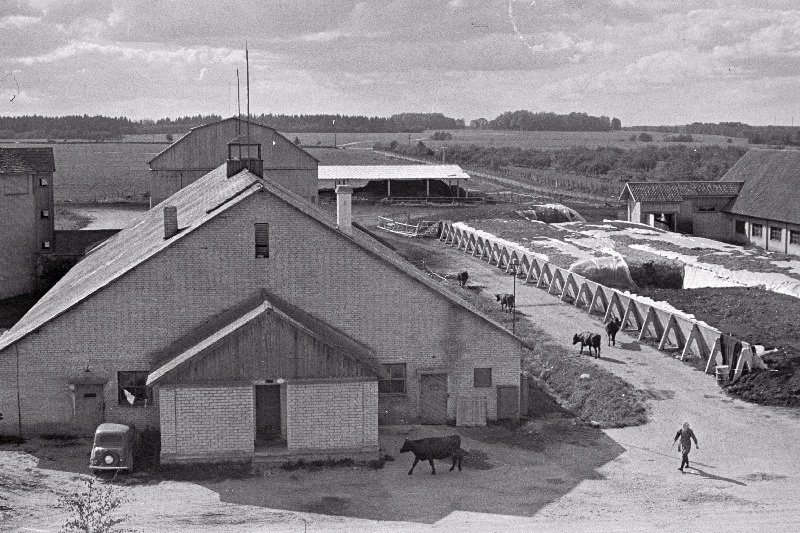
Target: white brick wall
<point>326,416</point>
<point>206,421</point>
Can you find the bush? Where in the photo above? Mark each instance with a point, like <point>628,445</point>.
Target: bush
<point>657,274</point>
<point>92,511</point>
<point>442,136</point>
<point>681,138</point>
<point>645,137</point>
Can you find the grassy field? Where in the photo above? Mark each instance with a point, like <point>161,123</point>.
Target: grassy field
<point>100,172</point>
<point>497,138</point>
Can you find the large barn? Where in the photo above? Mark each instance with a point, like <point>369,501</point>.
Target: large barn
<point>205,147</point>
<point>240,319</point>
<point>755,201</point>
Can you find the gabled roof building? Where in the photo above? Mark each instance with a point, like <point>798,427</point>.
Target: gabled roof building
<point>241,320</point>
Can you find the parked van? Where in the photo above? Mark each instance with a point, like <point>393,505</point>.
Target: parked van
<point>112,448</point>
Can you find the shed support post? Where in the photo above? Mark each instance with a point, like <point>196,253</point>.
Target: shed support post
<point>388,188</point>
<point>427,189</point>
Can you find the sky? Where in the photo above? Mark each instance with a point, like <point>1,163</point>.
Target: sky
<point>647,62</point>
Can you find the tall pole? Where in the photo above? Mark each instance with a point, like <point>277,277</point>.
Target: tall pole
<point>334,133</point>
<point>238,107</point>
<point>514,307</point>
<point>247,61</point>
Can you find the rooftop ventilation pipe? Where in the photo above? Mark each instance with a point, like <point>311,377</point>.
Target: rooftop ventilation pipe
<point>344,199</point>
<point>170,221</point>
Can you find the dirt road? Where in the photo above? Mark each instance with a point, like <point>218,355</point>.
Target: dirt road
<point>745,474</point>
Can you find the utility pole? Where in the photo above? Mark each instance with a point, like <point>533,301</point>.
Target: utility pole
<point>513,269</point>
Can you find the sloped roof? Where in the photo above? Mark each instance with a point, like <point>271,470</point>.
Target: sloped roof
<point>244,121</point>
<point>391,172</point>
<point>771,184</point>
<point>21,160</point>
<point>197,203</point>
<point>217,329</point>
<point>677,191</point>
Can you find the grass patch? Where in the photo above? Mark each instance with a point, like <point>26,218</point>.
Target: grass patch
<point>11,439</point>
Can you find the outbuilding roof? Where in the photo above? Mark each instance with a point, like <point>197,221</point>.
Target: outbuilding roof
<point>23,160</point>
<point>771,184</point>
<point>197,203</point>
<point>677,191</point>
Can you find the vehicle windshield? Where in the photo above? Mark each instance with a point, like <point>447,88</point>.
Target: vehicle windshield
<point>109,440</point>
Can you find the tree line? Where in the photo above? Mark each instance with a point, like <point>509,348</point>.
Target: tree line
<point>772,135</point>
<point>648,163</point>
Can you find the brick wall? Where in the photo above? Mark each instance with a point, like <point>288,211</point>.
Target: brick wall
<point>206,422</point>
<point>19,238</point>
<point>325,416</point>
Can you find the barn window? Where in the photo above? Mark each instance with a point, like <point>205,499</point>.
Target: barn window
<point>775,234</point>
<point>757,230</point>
<point>43,182</point>
<point>396,381</point>
<point>262,240</point>
<point>45,213</point>
<point>133,389</point>
<point>794,237</point>
<point>482,377</point>
<point>45,245</point>
<point>740,227</point>
<point>707,208</point>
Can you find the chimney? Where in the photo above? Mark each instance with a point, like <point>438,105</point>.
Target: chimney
<point>344,198</point>
<point>170,221</point>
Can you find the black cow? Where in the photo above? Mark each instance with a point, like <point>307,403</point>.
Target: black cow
<point>506,301</point>
<point>587,338</point>
<point>434,448</point>
<point>611,329</point>
<point>462,278</point>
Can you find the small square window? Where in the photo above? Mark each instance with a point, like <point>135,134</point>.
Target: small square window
<point>45,214</point>
<point>775,234</point>
<point>45,245</point>
<point>262,240</point>
<point>396,381</point>
<point>757,230</point>
<point>43,182</point>
<point>133,389</point>
<point>794,237</point>
<point>482,377</point>
<point>740,227</point>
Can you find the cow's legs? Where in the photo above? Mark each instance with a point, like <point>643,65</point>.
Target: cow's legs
<point>416,460</point>
<point>433,470</point>
<point>455,456</point>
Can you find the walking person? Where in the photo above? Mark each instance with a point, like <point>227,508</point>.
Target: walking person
<point>686,435</point>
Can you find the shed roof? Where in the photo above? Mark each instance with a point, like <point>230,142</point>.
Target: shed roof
<point>199,341</point>
<point>771,184</point>
<point>391,172</point>
<point>677,191</point>
<point>197,203</point>
<point>22,160</point>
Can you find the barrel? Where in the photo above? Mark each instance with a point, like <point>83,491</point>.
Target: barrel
<point>722,372</point>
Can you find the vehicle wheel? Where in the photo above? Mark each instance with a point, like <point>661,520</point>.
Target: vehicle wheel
<point>110,459</point>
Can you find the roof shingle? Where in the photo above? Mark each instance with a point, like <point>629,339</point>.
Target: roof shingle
<point>677,191</point>
<point>22,160</point>
<point>771,184</point>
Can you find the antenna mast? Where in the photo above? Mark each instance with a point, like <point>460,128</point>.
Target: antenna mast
<point>238,106</point>
<point>247,61</point>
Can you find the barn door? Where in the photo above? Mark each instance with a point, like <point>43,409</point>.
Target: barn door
<point>268,413</point>
<point>89,408</point>
<point>433,398</point>
<point>507,402</point>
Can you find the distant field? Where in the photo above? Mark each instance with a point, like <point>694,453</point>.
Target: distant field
<point>550,140</point>
<point>100,172</point>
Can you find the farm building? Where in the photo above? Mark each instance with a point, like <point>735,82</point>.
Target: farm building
<point>26,205</point>
<point>755,201</point>
<point>243,321</point>
<point>766,211</point>
<point>205,147</point>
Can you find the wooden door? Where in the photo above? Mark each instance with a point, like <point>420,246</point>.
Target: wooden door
<point>507,402</point>
<point>89,408</point>
<point>433,398</point>
<point>268,412</point>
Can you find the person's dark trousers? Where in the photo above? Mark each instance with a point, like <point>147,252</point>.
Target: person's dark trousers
<point>685,460</point>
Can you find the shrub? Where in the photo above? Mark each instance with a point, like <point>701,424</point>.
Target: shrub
<point>645,137</point>
<point>93,511</point>
<point>657,274</point>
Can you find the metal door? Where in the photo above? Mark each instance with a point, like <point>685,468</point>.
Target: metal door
<point>433,398</point>
<point>507,402</point>
<point>268,412</point>
<point>89,408</point>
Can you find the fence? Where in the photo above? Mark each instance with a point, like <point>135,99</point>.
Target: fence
<point>671,331</point>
